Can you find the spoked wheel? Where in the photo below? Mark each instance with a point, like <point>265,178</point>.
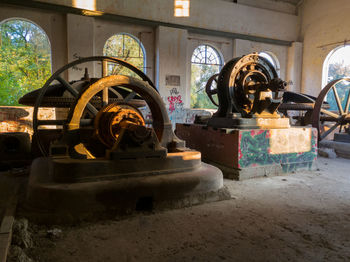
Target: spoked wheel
<point>91,138</point>
<point>211,88</point>
<point>91,107</point>
<point>331,110</point>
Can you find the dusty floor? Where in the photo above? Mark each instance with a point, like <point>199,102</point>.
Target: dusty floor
<point>300,217</point>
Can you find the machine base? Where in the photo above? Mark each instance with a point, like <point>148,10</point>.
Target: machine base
<point>262,171</point>
<point>342,149</point>
<point>249,123</point>
<point>52,202</point>
<point>243,154</point>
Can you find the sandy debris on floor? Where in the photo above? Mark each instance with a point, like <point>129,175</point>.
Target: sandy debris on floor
<point>298,217</point>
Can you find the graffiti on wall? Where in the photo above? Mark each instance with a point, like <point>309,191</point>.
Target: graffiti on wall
<point>174,100</point>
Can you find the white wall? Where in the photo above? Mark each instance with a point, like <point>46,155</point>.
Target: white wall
<point>323,22</point>
<point>210,14</point>
<point>243,47</point>
<point>293,76</point>
<point>171,55</point>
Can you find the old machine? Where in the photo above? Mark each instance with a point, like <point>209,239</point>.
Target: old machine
<point>104,155</point>
<point>247,136</point>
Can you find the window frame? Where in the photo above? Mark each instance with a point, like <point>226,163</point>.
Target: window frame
<point>142,48</point>
<point>220,65</point>
<point>274,58</point>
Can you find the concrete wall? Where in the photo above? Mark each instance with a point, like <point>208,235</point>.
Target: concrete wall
<point>270,5</point>
<point>293,74</point>
<point>210,14</point>
<point>324,23</point>
<point>242,47</point>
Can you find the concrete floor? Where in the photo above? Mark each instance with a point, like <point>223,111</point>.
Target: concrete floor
<point>299,217</point>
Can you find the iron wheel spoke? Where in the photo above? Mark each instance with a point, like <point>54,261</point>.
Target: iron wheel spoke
<point>330,113</point>
<point>68,86</point>
<point>326,133</point>
<point>130,96</point>
<point>340,108</point>
<point>112,90</point>
<point>75,94</point>
<point>347,103</point>
<point>105,97</point>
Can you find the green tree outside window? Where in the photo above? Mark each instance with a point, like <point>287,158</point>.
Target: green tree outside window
<point>25,59</point>
<point>127,48</point>
<point>205,62</point>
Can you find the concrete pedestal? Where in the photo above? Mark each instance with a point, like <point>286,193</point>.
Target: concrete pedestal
<point>59,193</point>
<point>249,153</point>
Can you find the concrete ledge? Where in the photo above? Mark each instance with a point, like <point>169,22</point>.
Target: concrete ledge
<point>342,149</point>
<point>262,171</point>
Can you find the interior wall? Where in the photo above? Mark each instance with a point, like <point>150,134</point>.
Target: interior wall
<point>243,47</point>
<point>208,14</point>
<point>324,26</point>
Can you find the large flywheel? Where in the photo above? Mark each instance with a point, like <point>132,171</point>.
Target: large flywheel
<point>94,123</point>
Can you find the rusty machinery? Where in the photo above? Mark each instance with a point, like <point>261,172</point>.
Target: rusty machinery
<point>105,154</point>
<point>247,136</point>
<point>248,88</point>
<point>331,122</point>
<point>314,111</point>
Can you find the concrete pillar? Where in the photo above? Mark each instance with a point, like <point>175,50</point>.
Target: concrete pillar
<point>171,60</point>
<point>294,65</point>
<point>80,39</point>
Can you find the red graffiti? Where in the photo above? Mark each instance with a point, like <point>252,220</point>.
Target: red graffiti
<point>173,100</point>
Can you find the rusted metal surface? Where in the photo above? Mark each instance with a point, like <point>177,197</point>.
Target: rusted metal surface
<point>327,121</point>
<point>94,104</point>
<point>109,119</point>
<point>249,85</point>
<point>211,88</point>
<point>110,159</point>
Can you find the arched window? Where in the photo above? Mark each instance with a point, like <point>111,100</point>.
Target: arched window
<point>127,48</point>
<point>272,59</point>
<point>205,62</point>
<point>335,66</point>
<point>25,56</point>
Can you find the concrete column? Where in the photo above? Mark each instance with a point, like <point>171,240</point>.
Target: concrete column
<point>171,60</point>
<point>294,65</point>
<point>80,39</point>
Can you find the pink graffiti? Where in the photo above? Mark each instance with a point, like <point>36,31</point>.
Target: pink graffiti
<point>173,100</point>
